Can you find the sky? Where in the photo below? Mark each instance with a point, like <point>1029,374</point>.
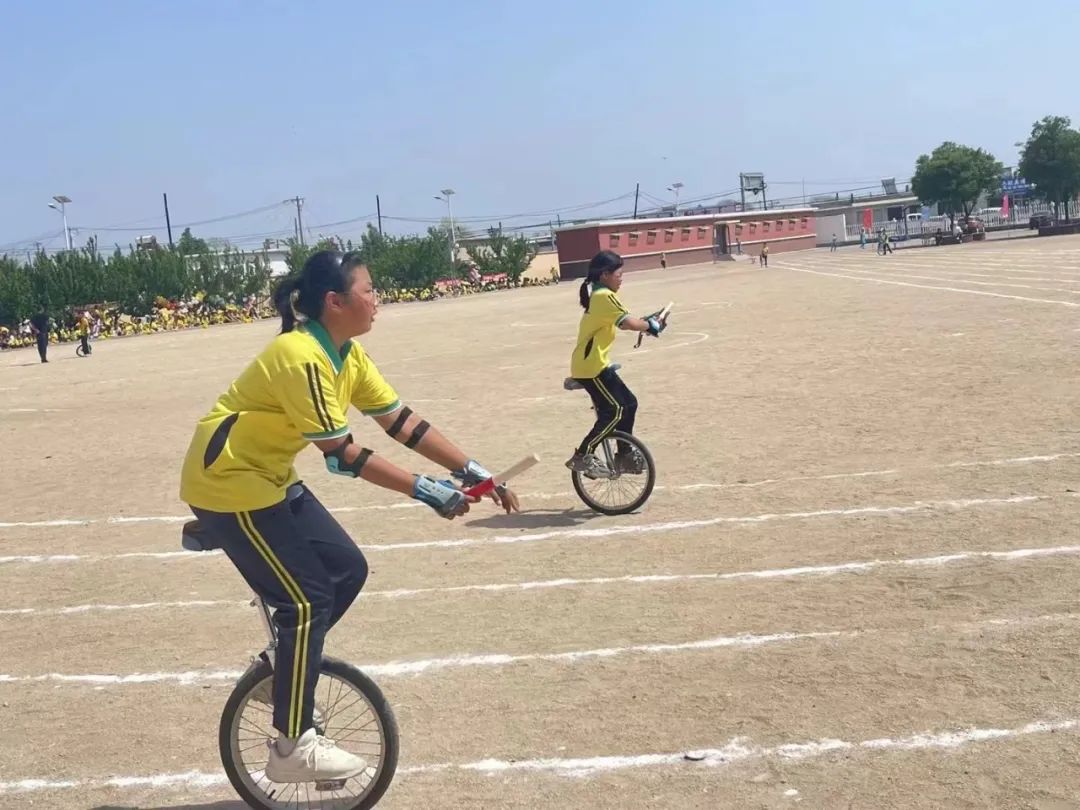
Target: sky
<point>521,108</point>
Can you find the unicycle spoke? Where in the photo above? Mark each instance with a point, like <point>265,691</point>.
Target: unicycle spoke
<point>629,481</point>
<point>354,714</point>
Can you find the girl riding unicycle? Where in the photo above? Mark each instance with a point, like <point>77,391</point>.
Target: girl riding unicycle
<point>240,481</point>
<point>609,450</point>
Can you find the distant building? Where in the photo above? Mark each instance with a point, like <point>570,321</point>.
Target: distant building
<point>683,240</point>
<point>844,214</point>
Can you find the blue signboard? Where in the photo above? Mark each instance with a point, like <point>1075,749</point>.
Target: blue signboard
<point>1015,186</point>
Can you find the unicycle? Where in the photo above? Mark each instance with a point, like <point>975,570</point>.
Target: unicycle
<point>79,351</point>
<point>628,477</point>
<point>349,709</point>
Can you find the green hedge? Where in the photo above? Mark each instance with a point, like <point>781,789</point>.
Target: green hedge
<point>133,280</point>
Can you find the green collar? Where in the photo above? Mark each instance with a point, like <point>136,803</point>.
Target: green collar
<point>598,286</point>
<point>336,356</point>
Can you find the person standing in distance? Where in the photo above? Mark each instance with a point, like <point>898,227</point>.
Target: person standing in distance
<point>83,330</point>
<point>39,325</point>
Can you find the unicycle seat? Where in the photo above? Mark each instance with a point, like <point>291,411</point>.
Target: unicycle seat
<point>570,384</point>
<point>195,537</point>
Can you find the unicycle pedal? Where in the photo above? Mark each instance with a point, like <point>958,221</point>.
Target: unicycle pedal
<point>330,785</point>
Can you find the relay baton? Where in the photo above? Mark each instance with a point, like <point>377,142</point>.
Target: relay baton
<point>661,316</point>
<point>484,487</point>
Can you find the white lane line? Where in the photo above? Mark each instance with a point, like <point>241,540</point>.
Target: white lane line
<point>396,669</point>
<point>78,610</point>
<point>1004,277</point>
<point>648,528</point>
<point>858,567</point>
<point>999,462</point>
<point>704,760</point>
<point>700,337</point>
<point>797,269</point>
<point>741,749</point>
<point>940,560</point>
<point>403,668</point>
<point>955,280</point>
<point>558,534</point>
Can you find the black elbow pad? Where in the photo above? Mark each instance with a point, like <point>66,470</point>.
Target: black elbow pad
<point>335,460</point>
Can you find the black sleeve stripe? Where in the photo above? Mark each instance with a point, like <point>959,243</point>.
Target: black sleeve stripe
<point>312,376</point>
<point>399,423</point>
<point>322,397</point>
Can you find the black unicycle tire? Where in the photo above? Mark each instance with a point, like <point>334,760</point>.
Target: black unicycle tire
<point>79,351</point>
<point>332,666</point>
<point>637,503</point>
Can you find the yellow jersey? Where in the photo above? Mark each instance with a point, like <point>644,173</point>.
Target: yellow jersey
<point>596,333</point>
<point>84,327</point>
<point>295,392</point>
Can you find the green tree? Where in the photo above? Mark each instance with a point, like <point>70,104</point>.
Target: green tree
<point>403,262</point>
<point>1051,160</point>
<point>954,176</point>
<point>499,254</point>
<point>298,253</point>
<point>372,245</point>
<point>190,246</point>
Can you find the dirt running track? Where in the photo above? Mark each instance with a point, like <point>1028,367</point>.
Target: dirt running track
<point>855,587</point>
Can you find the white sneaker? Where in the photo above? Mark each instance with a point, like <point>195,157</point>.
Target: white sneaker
<point>314,759</point>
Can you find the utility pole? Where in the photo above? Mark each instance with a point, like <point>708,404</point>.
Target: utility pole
<point>168,223</point>
<point>378,211</point>
<point>447,193</point>
<point>299,202</point>
<point>637,191</point>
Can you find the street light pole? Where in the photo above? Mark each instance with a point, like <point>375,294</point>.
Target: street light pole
<point>676,188</point>
<point>59,205</point>
<point>447,193</point>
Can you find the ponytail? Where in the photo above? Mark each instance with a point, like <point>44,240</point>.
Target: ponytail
<point>583,292</point>
<point>285,298</point>
<point>606,261</point>
<point>300,296</point>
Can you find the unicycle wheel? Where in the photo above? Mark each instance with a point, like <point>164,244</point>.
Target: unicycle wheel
<point>630,477</point>
<point>354,713</point>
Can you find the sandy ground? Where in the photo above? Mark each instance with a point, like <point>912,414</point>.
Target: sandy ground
<point>853,588</point>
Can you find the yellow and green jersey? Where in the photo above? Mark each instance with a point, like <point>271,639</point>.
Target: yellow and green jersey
<point>596,333</point>
<point>295,392</point>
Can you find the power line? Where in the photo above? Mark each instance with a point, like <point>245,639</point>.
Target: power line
<point>225,218</point>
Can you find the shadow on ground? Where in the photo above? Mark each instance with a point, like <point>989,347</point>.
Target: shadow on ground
<point>535,519</point>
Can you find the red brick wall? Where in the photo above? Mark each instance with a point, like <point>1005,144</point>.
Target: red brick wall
<point>578,245</point>
<point>644,237</point>
<point>783,233</point>
<point>640,243</point>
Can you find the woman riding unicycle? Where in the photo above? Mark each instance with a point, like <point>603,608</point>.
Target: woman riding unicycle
<point>239,479</point>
